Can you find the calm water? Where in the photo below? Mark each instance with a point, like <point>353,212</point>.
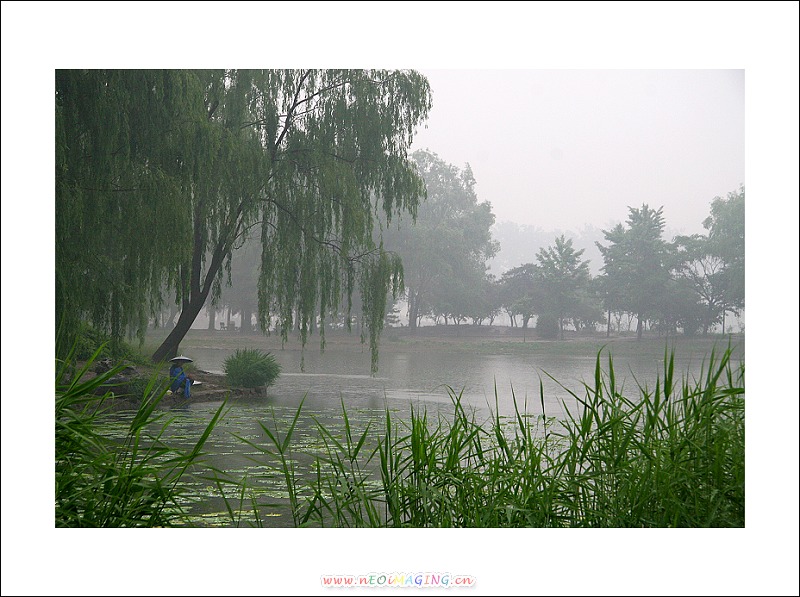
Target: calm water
<point>414,378</point>
<point>422,376</point>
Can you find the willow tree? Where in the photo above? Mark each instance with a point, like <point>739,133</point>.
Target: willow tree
<point>310,157</point>
<point>119,184</point>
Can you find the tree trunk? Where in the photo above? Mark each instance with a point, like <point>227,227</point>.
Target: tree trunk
<point>608,325</point>
<point>199,286</point>
<point>639,327</point>
<point>169,348</point>
<point>116,328</point>
<point>247,317</point>
<point>212,318</point>
<point>413,310</point>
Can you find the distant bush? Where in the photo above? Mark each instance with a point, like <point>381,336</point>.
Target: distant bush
<point>251,368</point>
<point>547,327</point>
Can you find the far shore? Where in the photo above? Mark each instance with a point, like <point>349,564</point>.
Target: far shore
<point>482,339</point>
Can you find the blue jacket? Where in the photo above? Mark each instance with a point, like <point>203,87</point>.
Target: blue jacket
<point>178,377</point>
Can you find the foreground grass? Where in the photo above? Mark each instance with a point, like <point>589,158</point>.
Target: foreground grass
<point>105,483</point>
<point>671,457</point>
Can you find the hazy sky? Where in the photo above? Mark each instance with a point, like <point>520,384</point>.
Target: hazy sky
<point>564,148</point>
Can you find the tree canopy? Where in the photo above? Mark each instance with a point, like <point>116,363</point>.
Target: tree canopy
<point>564,279</point>
<point>444,253</point>
<point>725,228</point>
<point>159,173</point>
<point>713,265</point>
<point>636,269</point>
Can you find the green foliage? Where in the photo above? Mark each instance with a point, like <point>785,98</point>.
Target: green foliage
<point>636,264</point>
<point>671,456</point>
<point>121,151</point>
<point>251,368</point>
<point>726,228</point>
<point>547,326</point>
<point>564,279</point>
<point>444,252</point>
<point>193,159</point>
<point>517,288</point>
<point>90,340</point>
<point>101,482</point>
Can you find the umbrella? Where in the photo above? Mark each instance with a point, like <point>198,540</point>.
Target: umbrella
<point>181,359</point>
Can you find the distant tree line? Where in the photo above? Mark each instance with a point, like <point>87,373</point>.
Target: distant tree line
<point>686,285</point>
<point>683,286</point>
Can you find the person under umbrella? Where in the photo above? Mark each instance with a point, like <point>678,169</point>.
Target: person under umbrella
<point>180,382</point>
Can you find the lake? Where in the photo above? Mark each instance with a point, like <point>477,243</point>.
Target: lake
<point>413,373</point>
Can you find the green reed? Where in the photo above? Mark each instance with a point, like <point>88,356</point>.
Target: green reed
<point>670,456</point>
<point>101,482</point>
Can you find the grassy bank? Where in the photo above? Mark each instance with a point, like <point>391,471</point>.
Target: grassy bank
<point>489,341</point>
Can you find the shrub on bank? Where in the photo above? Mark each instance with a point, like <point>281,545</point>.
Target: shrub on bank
<point>251,368</point>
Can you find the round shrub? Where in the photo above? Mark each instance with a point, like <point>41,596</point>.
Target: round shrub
<point>547,326</point>
<point>251,368</point>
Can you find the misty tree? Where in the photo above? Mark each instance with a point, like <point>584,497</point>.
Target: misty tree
<point>463,296</point>
<point>449,243</point>
<point>705,274</point>
<point>679,307</point>
<point>564,280</point>
<point>588,311</point>
<point>485,303</point>
<point>713,265</point>
<point>240,294</point>
<point>517,289</point>
<point>159,173</point>
<point>636,268</point>
<point>725,228</point>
